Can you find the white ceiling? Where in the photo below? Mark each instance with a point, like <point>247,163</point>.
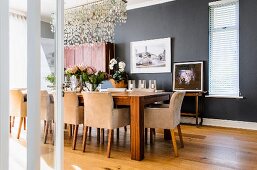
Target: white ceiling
<point>48,6</point>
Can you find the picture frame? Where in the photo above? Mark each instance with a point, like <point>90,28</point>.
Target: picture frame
<point>188,76</point>
<point>150,56</point>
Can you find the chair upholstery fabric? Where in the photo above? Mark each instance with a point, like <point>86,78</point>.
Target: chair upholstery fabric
<point>73,113</point>
<point>165,118</point>
<point>47,108</point>
<point>18,107</point>
<point>100,113</point>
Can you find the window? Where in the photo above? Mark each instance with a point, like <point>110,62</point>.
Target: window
<point>224,48</point>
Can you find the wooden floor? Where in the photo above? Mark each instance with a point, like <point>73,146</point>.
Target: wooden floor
<point>205,148</point>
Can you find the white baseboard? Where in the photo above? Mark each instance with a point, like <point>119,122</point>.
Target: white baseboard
<point>222,123</point>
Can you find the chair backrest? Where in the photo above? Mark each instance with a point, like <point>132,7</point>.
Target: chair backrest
<point>46,108</point>
<point>98,109</point>
<point>71,104</point>
<point>17,104</point>
<point>143,90</point>
<point>175,106</point>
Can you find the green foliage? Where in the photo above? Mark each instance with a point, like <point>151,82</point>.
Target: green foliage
<point>119,76</point>
<point>51,78</point>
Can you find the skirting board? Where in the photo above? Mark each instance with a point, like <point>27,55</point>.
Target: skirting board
<point>222,123</point>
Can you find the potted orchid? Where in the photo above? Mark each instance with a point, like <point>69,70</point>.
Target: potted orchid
<point>118,74</point>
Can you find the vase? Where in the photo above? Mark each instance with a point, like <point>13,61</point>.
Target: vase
<point>93,87</point>
<point>120,84</point>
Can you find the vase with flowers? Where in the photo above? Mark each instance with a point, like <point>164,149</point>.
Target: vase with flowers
<point>119,77</point>
<point>89,77</point>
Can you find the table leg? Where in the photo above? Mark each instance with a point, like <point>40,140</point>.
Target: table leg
<point>137,128</point>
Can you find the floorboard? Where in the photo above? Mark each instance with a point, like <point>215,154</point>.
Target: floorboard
<point>205,148</point>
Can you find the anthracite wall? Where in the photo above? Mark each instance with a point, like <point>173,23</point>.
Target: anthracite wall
<point>186,22</point>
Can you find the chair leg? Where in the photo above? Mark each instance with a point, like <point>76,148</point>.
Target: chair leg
<point>90,130</point>
<point>109,143</point>
<point>102,135</point>
<point>46,131</point>
<point>146,131</point>
<point>70,130</point>
<point>24,126</point>
<point>173,138</point>
<point>84,138</point>
<point>180,136</point>
<point>50,127</point>
<point>98,135</point>
<point>118,133</point>
<point>75,134</point>
<point>151,135</point>
<point>73,129</point>
<point>125,128</point>
<point>13,120</point>
<point>44,125</point>
<point>20,125</point>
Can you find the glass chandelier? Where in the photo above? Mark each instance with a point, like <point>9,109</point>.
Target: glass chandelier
<point>93,22</point>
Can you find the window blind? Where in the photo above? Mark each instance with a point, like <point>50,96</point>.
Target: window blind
<point>224,48</point>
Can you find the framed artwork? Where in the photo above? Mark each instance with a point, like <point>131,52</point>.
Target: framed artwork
<point>150,56</point>
<point>188,76</point>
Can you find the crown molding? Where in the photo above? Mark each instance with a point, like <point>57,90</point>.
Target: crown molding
<point>147,3</point>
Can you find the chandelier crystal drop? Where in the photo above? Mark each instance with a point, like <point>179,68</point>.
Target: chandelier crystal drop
<point>93,22</point>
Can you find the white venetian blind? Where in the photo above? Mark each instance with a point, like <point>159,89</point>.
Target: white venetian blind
<point>224,48</point>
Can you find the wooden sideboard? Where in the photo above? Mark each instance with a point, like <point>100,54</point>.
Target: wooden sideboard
<point>199,106</point>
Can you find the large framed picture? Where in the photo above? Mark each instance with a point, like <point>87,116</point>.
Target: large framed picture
<point>150,56</point>
<point>188,76</point>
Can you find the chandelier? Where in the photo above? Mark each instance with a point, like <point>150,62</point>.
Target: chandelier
<point>93,22</point>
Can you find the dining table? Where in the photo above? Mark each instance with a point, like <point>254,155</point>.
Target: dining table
<point>137,101</point>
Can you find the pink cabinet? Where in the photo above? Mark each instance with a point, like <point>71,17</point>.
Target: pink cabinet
<point>96,55</point>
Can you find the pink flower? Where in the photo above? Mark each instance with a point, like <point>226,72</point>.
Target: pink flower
<point>82,67</point>
<point>91,70</point>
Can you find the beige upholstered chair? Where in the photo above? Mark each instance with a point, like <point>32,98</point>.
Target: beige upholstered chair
<point>47,112</point>
<point>73,113</point>
<point>18,108</point>
<point>167,118</point>
<point>100,113</point>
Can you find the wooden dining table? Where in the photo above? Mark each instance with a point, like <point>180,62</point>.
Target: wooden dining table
<point>137,102</point>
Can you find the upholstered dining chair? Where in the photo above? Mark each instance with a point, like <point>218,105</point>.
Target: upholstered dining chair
<point>18,108</point>
<point>167,118</point>
<point>100,113</point>
<point>47,112</point>
<point>73,113</point>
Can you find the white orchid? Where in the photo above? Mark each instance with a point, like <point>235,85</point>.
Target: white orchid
<point>122,66</point>
<point>112,63</point>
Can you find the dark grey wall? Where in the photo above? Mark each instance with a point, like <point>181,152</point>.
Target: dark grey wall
<point>46,30</point>
<point>186,22</point>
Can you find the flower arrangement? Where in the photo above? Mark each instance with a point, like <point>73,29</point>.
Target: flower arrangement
<point>118,70</point>
<point>88,74</point>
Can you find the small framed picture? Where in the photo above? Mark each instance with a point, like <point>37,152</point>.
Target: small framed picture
<point>151,56</point>
<point>188,76</point>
